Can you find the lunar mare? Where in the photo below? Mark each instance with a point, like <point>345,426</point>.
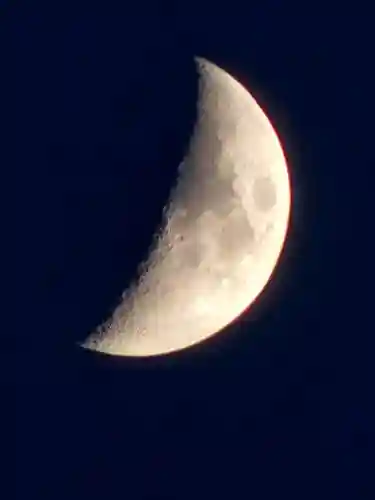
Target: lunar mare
<point>224,227</point>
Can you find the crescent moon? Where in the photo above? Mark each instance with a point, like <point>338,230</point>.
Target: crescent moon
<point>224,229</point>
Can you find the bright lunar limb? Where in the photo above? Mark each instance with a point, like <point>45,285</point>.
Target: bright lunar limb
<point>224,228</point>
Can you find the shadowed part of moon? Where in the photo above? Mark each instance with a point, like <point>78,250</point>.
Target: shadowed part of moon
<point>264,193</point>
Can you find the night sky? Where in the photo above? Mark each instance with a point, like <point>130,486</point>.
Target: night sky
<point>98,104</point>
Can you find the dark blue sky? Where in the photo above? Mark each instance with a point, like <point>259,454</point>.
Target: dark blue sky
<point>98,103</point>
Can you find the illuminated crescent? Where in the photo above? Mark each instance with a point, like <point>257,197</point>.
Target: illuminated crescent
<point>224,228</point>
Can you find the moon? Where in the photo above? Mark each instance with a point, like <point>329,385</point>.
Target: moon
<point>223,230</point>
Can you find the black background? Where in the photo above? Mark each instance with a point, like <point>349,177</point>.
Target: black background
<point>98,103</point>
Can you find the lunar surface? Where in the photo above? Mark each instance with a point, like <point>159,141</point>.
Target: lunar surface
<point>224,228</point>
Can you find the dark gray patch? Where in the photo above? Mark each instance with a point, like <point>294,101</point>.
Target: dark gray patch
<point>204,190</point>
<point>213,191</point>
<point>236,237</point>
<point>193,255</point>
<point>264,193</point>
